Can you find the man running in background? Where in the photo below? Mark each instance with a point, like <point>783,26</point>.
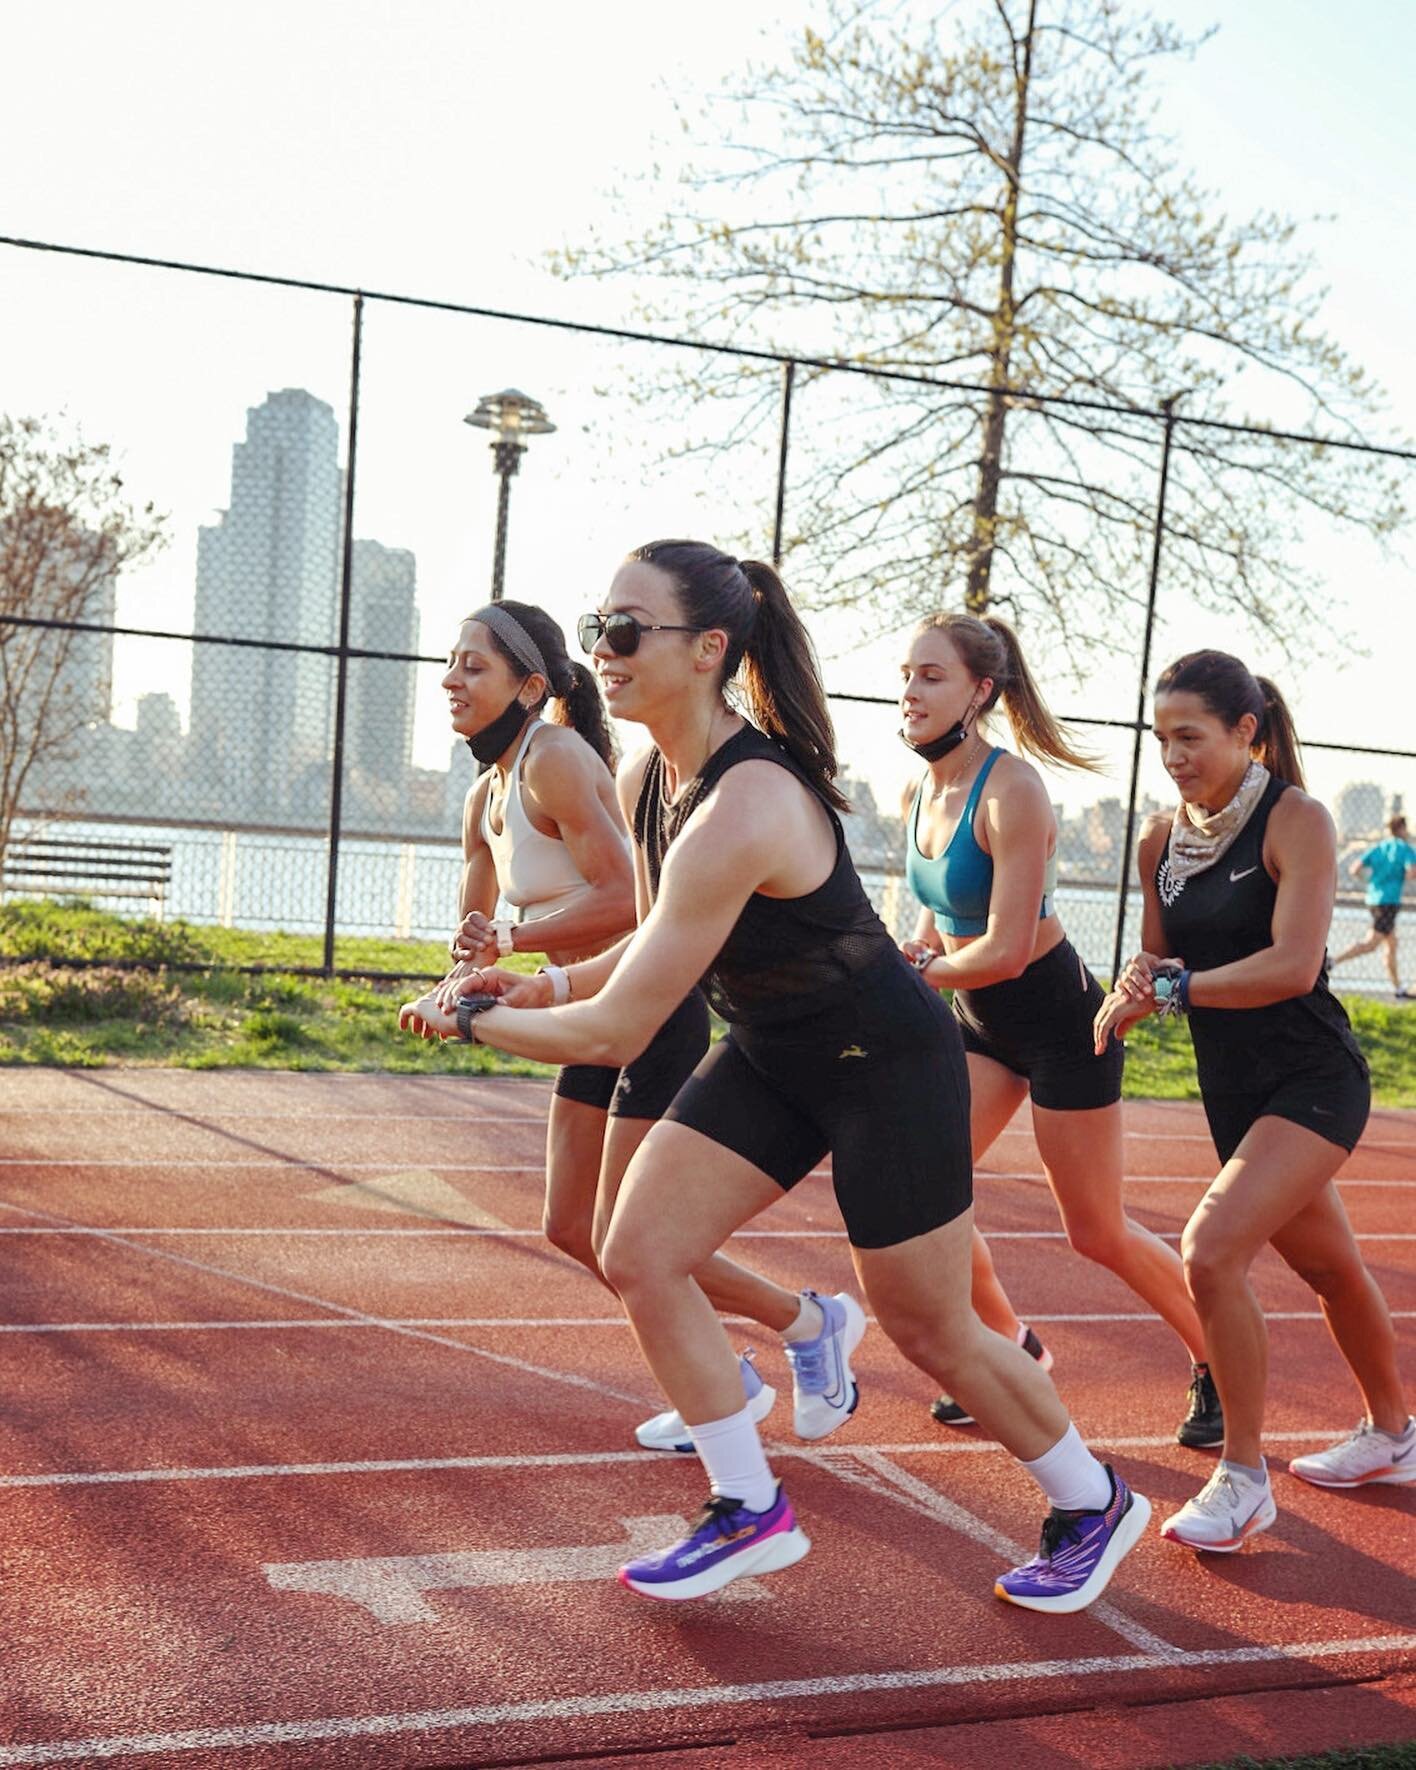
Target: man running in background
<point>1385,863</point>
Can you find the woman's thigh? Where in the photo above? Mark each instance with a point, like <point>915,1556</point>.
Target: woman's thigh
<point>995,1094</point>
<point>1278,1170</point>
<point>682,1196</point>
<point>1082,1156</point>
<point>575,1136</point>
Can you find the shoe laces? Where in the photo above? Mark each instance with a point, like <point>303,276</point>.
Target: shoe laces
<point>1204,1397</point>
<point>1060,1527</point>
<point>808,1361</point>
<point>717,1509</point>
<point>1220,1494</point>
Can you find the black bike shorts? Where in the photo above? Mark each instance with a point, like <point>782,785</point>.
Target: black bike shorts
<point>878,1082</point>
<point>644,1088</point>
<point>1384,917</point>
<point>1332,1097</point>
<point>1039,1025</point>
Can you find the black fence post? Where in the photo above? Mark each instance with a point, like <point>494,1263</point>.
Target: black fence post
<point>1128,839</point>
<point>784,445</point>
<point>341,677</point>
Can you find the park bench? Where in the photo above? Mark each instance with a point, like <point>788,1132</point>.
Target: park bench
<point>65,866</point>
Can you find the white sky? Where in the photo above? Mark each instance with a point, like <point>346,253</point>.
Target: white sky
<point>440,148</point>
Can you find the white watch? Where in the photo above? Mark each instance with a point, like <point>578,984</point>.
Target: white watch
<point>560,983</point>
<point>504,929</point>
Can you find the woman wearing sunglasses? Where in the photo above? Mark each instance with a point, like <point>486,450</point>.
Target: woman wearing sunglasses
<point>835,1046</point>
<point>543,831</point>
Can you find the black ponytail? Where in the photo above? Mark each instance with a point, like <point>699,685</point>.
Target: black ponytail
<point>1229,691</point>
<point>573,687</point>
<point>769,650</point>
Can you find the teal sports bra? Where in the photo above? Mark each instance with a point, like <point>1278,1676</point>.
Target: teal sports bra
<point>958,884</point>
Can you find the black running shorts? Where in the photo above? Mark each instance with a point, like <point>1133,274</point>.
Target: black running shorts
<point>644,1088</point>
<point>1332,1097</point>
<point>1039,1025</point>
<point>878,1082</point>
<point>1384,917</point>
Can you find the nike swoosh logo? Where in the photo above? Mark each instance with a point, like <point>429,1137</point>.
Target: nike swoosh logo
<point>1400,1456</point>
<point>1234,877</point>
<point>1239,1526</point>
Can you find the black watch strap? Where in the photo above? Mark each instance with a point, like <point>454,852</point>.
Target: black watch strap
<point>468,1008</point>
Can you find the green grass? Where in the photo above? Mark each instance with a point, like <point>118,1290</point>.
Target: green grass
<point>217,1017</point>
<point>1357,1757</point>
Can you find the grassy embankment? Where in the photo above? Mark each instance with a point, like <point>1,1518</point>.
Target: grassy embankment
<point>218,1017</point>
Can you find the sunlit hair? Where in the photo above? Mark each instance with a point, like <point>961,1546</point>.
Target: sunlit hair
<point>989,647</point>
<point>1229,690</point>
<point>769,650</point>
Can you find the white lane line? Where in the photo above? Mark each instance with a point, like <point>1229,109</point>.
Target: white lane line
<point>660,1701</point>
<point>555,1323</point>
<point>359,1231</point>
<point>359,1315</point>
<point>588,1459</point>
<point>898,1484</point>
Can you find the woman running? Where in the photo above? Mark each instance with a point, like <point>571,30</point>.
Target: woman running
<point>1385,865</point>
<point>982,858</point>
<point>835,1046</point>
<point>1239,889</point>
<point>542,830</point>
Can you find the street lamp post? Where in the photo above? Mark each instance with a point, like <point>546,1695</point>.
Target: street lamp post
<point>511,416</point>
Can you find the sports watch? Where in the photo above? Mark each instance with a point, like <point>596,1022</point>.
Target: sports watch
<point>468,1008</point>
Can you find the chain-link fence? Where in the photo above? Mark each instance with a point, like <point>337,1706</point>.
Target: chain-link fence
<point>245,727</point>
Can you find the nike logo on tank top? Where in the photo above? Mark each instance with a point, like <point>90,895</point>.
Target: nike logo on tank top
<point>1225,913</point>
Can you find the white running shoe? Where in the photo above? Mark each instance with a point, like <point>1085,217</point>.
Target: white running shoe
<point>823,1386</point>
<point>1229,1509</point>
<point>667,1431</point>
<point>1366,1455</point>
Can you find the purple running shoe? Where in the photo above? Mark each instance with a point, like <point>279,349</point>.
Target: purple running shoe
<point>728,1542</point>
<point>1080,1552</point>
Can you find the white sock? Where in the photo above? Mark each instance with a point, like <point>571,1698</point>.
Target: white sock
<point>1247,1470</point>
<point>1070,1475</point>
<point>1401,1436</point>
<point>811,1318</point>
<point>731,1451</point>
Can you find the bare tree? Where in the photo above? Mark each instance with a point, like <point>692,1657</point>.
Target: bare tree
<point>65,533</point>
<point>985,198</point>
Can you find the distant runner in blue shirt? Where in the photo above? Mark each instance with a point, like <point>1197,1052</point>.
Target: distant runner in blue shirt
<point>1385,863</point>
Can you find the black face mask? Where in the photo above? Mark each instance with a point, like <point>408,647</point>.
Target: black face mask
<point>489,743</point>
<point>940,746</point>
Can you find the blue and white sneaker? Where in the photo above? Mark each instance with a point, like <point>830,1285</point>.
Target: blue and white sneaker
<point>1080,1552</point>
<point>728,1542</point>
<point>823,1387</point>
<point>667,1431</point>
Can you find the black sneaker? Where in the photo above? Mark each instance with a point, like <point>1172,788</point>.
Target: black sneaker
<point>1203,1425</point>
<point>948,1412</point>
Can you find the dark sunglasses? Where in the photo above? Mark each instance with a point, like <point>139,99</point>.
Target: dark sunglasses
<point>622,632</point>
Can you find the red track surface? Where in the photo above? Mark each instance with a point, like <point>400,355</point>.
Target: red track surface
<point>260,1332</point>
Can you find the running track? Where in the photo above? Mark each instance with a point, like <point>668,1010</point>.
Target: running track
<point>313,1454</point>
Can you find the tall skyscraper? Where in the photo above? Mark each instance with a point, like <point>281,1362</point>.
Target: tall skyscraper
<point>378,744</point>
<point>260,722</point>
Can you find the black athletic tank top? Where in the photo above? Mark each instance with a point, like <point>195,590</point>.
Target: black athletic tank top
<point>786,957</point>
<point>1226,913</point>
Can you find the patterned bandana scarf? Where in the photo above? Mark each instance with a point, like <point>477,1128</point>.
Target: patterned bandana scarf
<point>1199,838</point>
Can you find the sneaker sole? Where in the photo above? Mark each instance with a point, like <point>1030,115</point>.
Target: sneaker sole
<point>783,1549</point>
<point>1261,1520</point>
<point>1125,1537</point>
<point>1392,1477</point>
<point>761,1405</point>
<point>854,1334</point>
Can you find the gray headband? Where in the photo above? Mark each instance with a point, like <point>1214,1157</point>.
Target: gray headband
<point>515,637</point>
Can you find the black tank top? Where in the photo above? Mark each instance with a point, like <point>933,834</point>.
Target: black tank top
<point>1226,913</point>
<point>786,957</point>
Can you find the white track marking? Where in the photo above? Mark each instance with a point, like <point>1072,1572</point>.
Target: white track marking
<point>898,1484</point>
<point>556,1323</point>
<point>589,1459</point>
<point>644,1702</point>
<point>360,1315</point>
<point>479,1223</point>
<point>390,1587</point>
